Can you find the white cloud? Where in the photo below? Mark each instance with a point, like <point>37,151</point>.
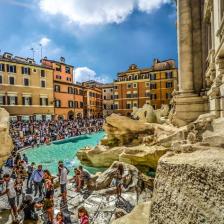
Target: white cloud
<point>93,12</point>
<point>44,41</point>
<point>82,74</point>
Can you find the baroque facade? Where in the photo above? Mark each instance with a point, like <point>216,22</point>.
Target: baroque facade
<point>136,86</point>
<point>201,60</point>
<point>26,88</point>
<point>108,99</point>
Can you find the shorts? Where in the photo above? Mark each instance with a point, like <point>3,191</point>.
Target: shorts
<point>12,202</point>
<point>63,188</point>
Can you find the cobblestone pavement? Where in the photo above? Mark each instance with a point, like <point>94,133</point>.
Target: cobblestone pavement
<point>101,208</point>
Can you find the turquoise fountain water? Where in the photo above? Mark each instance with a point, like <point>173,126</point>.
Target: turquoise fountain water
<point>49,155</point>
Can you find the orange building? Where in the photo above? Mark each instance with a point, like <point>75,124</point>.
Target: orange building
<point>136,87</point>
<point>68,97</point>
<point>93,102</point>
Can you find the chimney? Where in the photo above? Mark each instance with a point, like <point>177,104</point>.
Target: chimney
<point>62,59</point>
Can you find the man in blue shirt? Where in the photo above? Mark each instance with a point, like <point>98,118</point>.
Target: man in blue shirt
<point>37,178</point>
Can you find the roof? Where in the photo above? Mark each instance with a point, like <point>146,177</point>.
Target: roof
<point>23,61</point>
<point>56,62</point>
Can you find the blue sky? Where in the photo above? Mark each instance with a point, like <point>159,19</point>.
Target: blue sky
<point>100,37</point>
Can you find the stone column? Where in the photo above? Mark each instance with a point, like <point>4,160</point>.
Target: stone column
<point>184,23</point>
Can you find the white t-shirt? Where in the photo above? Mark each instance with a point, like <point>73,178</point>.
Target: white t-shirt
<point>11,189</point>
<point>63,176</point>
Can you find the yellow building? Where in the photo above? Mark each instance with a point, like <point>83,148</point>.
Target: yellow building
<point>26,89</point>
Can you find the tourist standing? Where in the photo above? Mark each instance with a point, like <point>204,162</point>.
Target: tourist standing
<point>63,179</point>
<point>11,193</point>
<point>119,179</point>
<point>37,178</point>
<point>30,170</point>
<point>83,216</point>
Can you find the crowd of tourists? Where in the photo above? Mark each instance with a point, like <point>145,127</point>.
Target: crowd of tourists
<point>30,188</point>
<point>35,133</point>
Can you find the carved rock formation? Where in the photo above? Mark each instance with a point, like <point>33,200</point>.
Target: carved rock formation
<point>103,156</point>
<point>148,114</point>
<point>6,144</point>
<point>122,130</point>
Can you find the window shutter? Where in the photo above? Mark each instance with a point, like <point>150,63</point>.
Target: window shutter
<point>41,101</point>
<point>16,100</point>
<point>3,67</point>
<point>23,100</point>
<point>28,71</point>
<point>8,100</point>
<point>15,68</point>
<point>3,100</point>
<point>22,70</point>
<point>59,103</point>
<point>30,100</point>
<point>47,101</point>
<point>7,68</point>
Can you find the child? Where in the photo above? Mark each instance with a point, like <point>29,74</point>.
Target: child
<point>83,216</point>
<point>59,218</point>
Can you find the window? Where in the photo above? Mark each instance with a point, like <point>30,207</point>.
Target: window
<point>11,68</point>
<point>104,97</point>
<point>152,76</point>
<point>2,100</point>
<point>153,96</point>
<point>129,85</point>
<point>115,106</point>
<point>129,95</point>
<point>135,95</point>
<point>70,90</point>
<point>135,104</point>
<point>25,70</point>
<point>169,84</point>
<point>43,83</point>
<point>26,82</point>
<point>169,75</point>
<point>11,80</point>
<point>152,85</point>
<point>168,95</point>
<point>68,79</point>
<point>80,92</point>
<point>104,90</point>
<point>34,70</point>
<point>147,94</point>
<point>12,100</point>
<point>42,73</point>
<point>2,67</point>
<point>128,106</point>
<point>27,100</point>
<point>58,77</point>
<point>67,69</point>
<point>57,88</point>
<point>115,97</point>
<point>76,105</point>
<point>57,103</point>
<point>135,85</point>
<point>70,104</point>
<point>115,87</point>
<point>58,68</point>
<point>104,106</point>
<point>44,101</point>
<point>81,104</point>
<point>1,81</point>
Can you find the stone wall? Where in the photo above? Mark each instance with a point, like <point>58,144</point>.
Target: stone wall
<point>189,188</point>
<point>6,144</point>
